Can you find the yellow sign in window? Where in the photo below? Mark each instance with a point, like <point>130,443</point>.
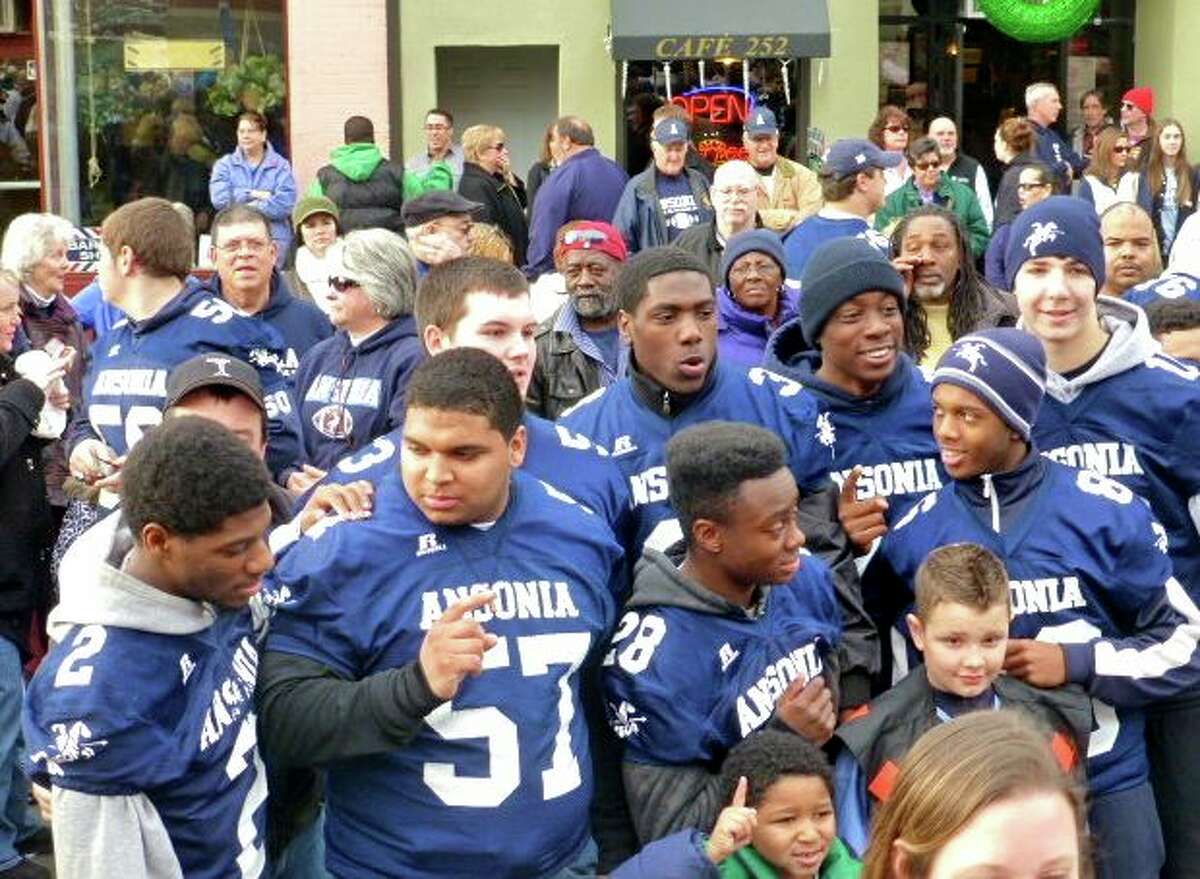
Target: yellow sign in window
<point>159,54</point>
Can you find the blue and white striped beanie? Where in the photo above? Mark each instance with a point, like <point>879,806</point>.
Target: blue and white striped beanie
<point>1005,367</point>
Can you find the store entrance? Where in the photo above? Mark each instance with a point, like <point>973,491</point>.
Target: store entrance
<point>20,179</point>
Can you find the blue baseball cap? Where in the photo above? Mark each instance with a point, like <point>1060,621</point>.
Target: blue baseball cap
<point>761,121</point>
<point>852,155</point>
<point>671,130</point>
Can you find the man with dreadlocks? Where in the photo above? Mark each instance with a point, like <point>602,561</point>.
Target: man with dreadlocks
<point>949,299</point>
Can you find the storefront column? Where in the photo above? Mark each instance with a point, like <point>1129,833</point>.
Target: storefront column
<point>337,67</point>
<point>844,89</point>
<point>1164,56</point>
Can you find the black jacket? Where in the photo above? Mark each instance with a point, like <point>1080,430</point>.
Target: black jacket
<point>562,374</point>
<point>503,205</point>
<point>26,524</point>
<point>366,204</point>
<point>1007,205</point>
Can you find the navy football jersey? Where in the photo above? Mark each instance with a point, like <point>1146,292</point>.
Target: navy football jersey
<point>683,686</point>
<point>1165,287</point>
<point>119,712</point>
<point>498,781</point>
<point>636,437</point>
<point>1088,569</point>
<point>568,461</point>
<point>125,387</point>
<point>1141,427</point>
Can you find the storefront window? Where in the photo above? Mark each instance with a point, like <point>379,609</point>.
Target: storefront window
<point>717,100</point>
<point>145,95</point>
<point>20,186</point>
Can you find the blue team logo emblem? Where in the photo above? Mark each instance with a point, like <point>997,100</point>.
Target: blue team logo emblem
<point>334,421</point>
<point>972,352</point>
<point>1041,233</point>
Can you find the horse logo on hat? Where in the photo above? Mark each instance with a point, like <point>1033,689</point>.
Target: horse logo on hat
<point>1040,234</point>
<point>972,352</point>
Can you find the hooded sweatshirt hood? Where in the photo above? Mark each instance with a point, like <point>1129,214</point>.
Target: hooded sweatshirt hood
<point>658,582</point>
<point>1129,345</point>
<point>356,160</point>
<point>103,594</point>
<point>789,355</point>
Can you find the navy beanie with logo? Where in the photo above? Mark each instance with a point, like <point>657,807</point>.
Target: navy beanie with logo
<point>1004,367</point>
<point>839,270</point>
<point>1062,225</point>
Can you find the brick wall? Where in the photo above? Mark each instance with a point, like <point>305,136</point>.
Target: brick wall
<point>337,64</point>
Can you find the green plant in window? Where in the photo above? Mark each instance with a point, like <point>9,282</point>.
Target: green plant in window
<point>255,84</point>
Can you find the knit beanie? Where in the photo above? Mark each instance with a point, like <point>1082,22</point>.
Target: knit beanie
<point>1141,97</point>
<point>1062,225</point>
<point>839,270</point>
<point>753,241</point>
<point>1004,367</point>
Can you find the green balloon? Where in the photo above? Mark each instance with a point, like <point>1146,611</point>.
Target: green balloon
<point>1033,22</point>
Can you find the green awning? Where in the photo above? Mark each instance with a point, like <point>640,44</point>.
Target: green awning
<point>664,30</point>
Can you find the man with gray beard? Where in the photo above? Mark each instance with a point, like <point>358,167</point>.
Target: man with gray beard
<point>949,298</point>
<point>578,347</point>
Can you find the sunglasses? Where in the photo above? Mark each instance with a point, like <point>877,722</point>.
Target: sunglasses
<point>1125,105</point>
<point>895,129</point>
<point>584,236</point>
<point>927,166</point>
<point>341,284</point>
<point>1120,149</point>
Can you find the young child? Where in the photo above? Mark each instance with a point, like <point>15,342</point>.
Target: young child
<point>780,823</point>
<point>960,625</point>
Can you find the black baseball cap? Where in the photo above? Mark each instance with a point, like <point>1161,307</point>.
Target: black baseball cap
<point>214,369</point>
<point>431,205</point>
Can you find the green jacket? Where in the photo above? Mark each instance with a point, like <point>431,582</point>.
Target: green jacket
<point>359,160</point>
<point>749,864</point>
<point>950,194</point>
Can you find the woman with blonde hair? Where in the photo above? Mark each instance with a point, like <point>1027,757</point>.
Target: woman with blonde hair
<point>488,179</point>
<point>981,795</point>
<point>1110,158</point>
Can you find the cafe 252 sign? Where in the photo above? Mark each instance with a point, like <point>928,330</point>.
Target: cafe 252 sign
<point>764,46</point>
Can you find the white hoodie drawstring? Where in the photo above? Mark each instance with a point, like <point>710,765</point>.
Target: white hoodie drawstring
<point>990,493</point>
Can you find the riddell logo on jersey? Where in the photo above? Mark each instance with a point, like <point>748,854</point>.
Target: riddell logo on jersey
<point>428,544</point>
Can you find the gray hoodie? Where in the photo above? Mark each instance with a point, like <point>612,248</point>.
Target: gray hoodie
<point>117,835</point>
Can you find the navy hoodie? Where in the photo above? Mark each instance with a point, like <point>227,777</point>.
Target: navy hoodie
<point>890,433</point>
<point>300,323</point>
<point>350,395</point>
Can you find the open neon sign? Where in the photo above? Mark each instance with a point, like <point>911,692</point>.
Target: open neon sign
<point>719,104</point>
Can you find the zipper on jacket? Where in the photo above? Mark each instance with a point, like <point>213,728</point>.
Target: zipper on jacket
<point>989,491</point>
<point>666,403</point>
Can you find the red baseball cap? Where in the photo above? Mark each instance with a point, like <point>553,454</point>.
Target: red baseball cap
<point>590,235</point>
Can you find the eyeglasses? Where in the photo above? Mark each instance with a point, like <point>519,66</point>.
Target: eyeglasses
<point>1025,187</point>
<point>341,284</point>
<point>584,236</point>
<point>742,192</point>
<point>253,246</point>
<point>895,129</point>
<point>1120,149</point>
<point>927,166</point>
<point>1125,105</point>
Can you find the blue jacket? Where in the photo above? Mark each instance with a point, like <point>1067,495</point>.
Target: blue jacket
<point>888,434</point>
<point>742,335</point>
<point>299,323</point>
<point>586,186</point>
<point>233,178</point>
<point>1056,154</point>
<point>638,216</point>
<point>350,395</point>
